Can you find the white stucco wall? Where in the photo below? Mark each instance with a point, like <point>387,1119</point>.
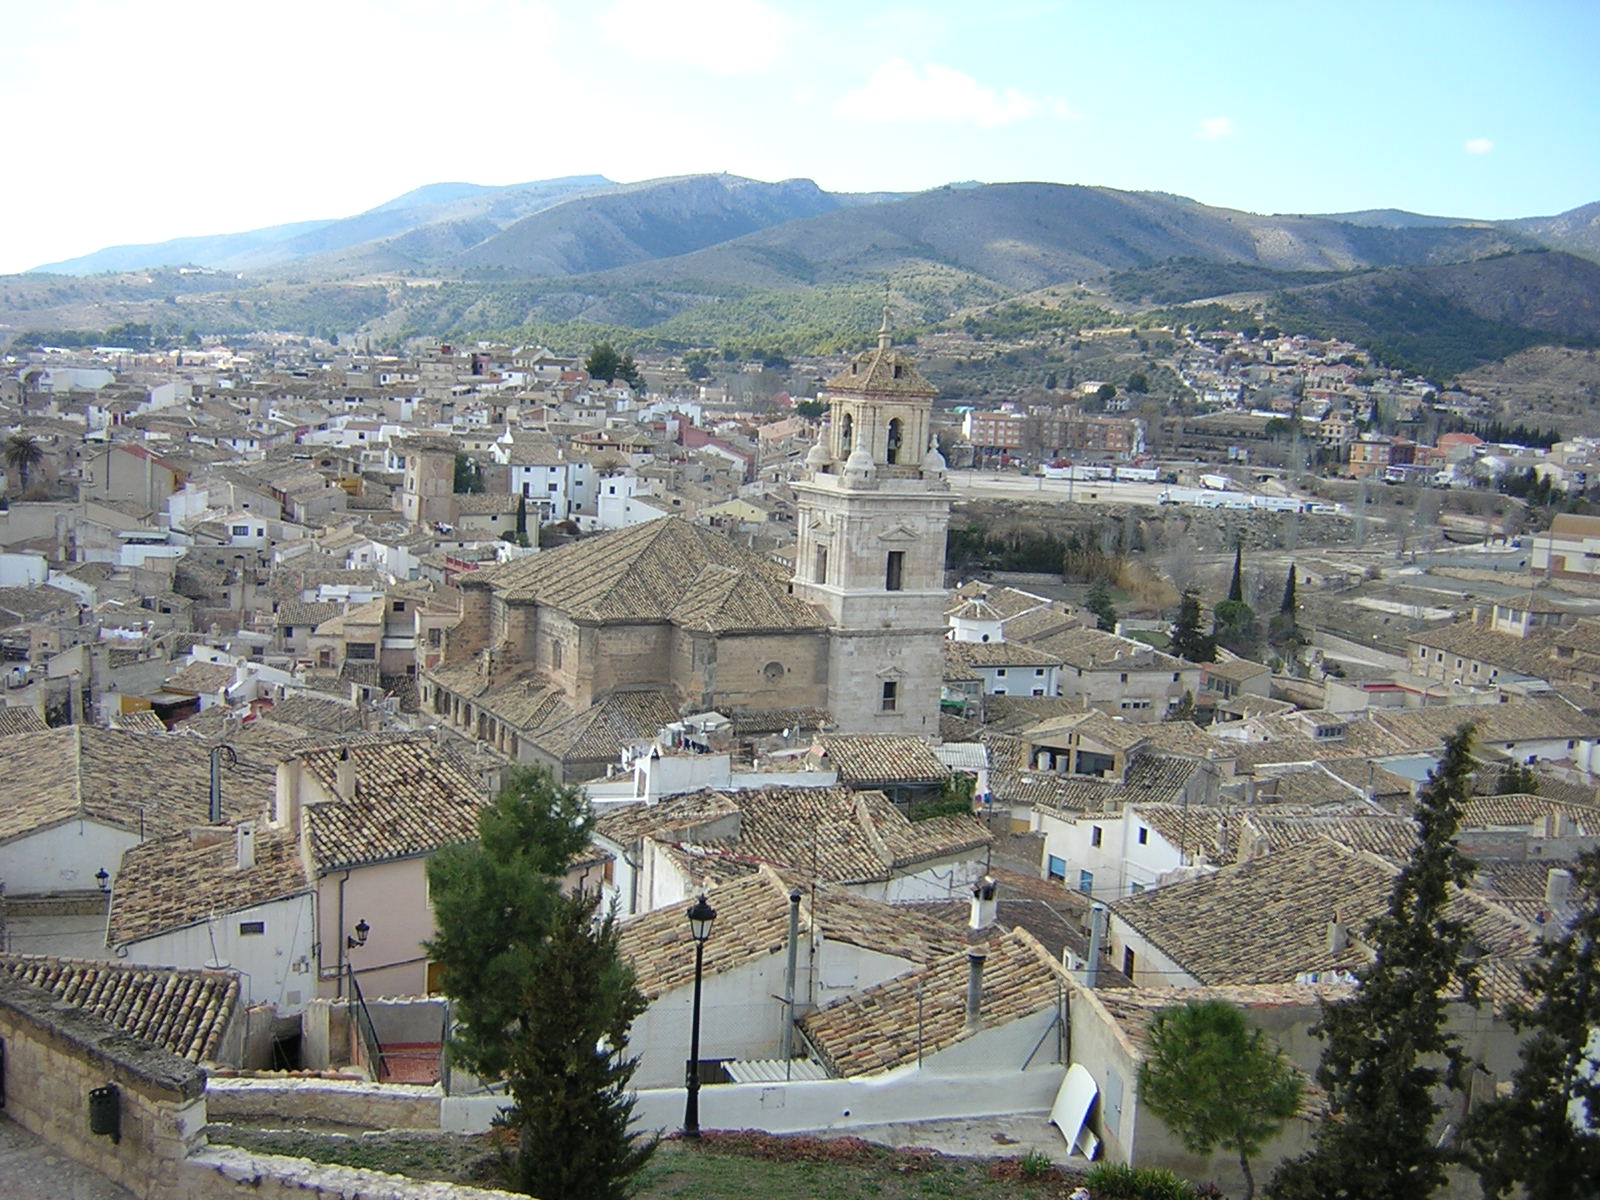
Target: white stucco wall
<point>276,964</point>
<point>63,857</point>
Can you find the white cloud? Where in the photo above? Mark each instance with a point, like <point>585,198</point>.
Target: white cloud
<point>1478,146</point>
<point>724,37</point>
<point>1212,129</point>
<point>898,91</point>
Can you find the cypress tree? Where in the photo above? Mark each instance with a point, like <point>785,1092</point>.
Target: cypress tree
<point>1236,587</point>
<point>1530,1138</point>
<point>1387,1050</point>
<point>1189,640</point>
<point>1287,606</point>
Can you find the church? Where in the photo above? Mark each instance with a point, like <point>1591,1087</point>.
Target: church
<point>565,657</point>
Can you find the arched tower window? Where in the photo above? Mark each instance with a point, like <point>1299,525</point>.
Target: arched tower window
<point>893,455</point>
<point>847,435</point>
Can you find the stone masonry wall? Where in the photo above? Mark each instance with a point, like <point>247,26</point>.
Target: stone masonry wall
<point>55,1054</point>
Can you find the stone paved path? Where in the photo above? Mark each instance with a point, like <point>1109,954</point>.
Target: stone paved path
<point>32,1169</point>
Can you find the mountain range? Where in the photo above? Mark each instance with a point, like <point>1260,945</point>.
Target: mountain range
<point>677,260</point>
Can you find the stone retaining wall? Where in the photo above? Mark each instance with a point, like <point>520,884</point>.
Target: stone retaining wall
<point>356,1102</point>
<point>54,1054</point>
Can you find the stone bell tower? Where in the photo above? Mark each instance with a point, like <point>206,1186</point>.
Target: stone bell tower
<point>874,509</point>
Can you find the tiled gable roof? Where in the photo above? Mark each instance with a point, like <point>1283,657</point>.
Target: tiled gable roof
<point>886,1026</point>
<point>602,730</point>
<point>185,1012</point>
<point>998,654</point>
<point>138,782</point>
<point>410,799</point>
<point>868,759</point>
<point>19,719</point>
<point>752,922</point>
<point>1469,640</point>
<point>168,883</point>
<point>644,574</point>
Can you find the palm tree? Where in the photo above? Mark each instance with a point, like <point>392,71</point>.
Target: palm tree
<point>22,453</point>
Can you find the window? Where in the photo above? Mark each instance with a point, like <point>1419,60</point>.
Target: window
<point>1038,672</point>
<point>251,928</point>
<point>1038,691</point>
<point>999,672</point>
<point>847,432</point>
<point>1127,962</point>
<point>891,696</point>
<point>895,573</point>
<point>1086,882</point>
<point>1056,868</point>
<point>893,455</point>
<point>820,574</point>
<point>399,606</point>
<point>555,655</point>
<point>1144,836</point>
<point>1135,888</point>
<point>1096,835</point>
<point>240,530</point>
<point>1124,678</point>
<point>361,650</point>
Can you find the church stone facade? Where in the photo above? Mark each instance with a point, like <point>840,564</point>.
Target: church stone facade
<point>874,511</point>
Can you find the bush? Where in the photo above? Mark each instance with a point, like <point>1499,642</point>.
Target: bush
<point>1115,1181</point>
<point>1035,1164</point>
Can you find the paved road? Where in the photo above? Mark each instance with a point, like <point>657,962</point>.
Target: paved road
<point>32,1169</point>
<point>1011,486</point>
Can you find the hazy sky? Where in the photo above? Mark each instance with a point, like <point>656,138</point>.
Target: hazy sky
<point>141,120</point>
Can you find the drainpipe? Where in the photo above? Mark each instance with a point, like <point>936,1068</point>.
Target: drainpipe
<point>975,961</point>
<point>1097,933</point>
<point>788,983</point>
<point>338,940</point>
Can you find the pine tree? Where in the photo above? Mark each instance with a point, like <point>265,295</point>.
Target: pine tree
<point>569,1073</point>
<point>1387,1049</point>
<point>1216,1082</point>
<point>540,995</point>
<point>1236,585</point>
<point>1189,640</point>
<point>1099,603</point>
<point>522,520</point>
<point>1533,1137</point>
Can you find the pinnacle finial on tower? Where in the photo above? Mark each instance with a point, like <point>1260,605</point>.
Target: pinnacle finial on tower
<point>885,338</point>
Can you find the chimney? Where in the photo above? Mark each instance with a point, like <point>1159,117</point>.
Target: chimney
<point>344,776</point>
<point>984,905</point>
<point>1558,890</point>
<point>1338,935</point>
<point>244,844</point>
<point>975,959</point>
<point>1097,935</point>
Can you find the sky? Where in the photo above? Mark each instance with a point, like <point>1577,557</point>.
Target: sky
<point>140,120</point>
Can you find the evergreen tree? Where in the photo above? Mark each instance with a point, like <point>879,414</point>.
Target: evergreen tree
<point>1517,778</point>
<point>1233,624</point>
<point>1387,1051</point>
<point>569,1077</point>
<point>1189,640</point>
<point>1216,1082</point>
<point>1288,606</point>
<point>1236,585</point>
<point>603,362</point>
<point>540,997</point>
<point>1099,603</point>
<point>1545,1136</point>
<point>522,520</point>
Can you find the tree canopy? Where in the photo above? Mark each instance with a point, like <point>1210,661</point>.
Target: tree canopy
<point>1545,1135</point>
<point>1216,1082</point>
<point>1387,1049</point>
<point>1189,639</point>
<point>541,996</point>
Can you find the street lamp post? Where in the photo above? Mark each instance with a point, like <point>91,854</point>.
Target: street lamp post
<point>700,915</point>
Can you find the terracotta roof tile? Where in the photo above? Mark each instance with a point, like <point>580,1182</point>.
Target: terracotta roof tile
<point>886,1026</point>
<point>185,1012</point>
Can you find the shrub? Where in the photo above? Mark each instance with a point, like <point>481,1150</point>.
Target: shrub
<point>1035,1164</point>
<point>1115,1181</point>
